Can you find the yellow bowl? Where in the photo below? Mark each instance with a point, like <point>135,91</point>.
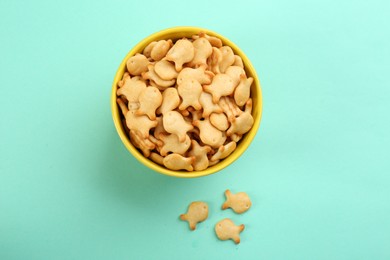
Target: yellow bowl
<point>177,33</point>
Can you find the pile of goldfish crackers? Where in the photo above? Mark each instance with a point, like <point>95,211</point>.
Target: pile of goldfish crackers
<point>186,103</point>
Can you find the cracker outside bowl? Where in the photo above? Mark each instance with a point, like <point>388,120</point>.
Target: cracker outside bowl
<point>174,34</point>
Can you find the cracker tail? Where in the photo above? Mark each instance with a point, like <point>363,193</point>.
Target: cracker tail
<point>225,205</point>
<point>236,239</point>
<point>183,217</point>
<point>228,194</point>
<point>241,227</point>
<point>192,225</point>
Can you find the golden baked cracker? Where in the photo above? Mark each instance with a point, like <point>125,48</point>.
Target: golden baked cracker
<point>224,151</point>
<point>165,70</point>
<point>200,153</point>
<point>160,49</point>
<point>214,41</point>
<point>181,52</point>
<point>139,123</point>
<point>177,162</point>
<point>203,50</point>
<point>172,144</point>
<point>209,134</point>
<point>238,61</point>
<point>171,100</point>
<point>198,211</point>
<point>174,123</point>
<point>148,49</point>
<point>243,123</point>
<point>149,99</point>
<point>131,89</point>
<point>137,64</point>
<point>206,100</point>
<point>222,85</point>
<point>152,75</point>
<point>243,90</point>
<point>226,229</point>
<point>220,121</point>
<point>238,202</point>
<point>235,73</point>
<point>227,58</point>
<point>189,91</point>
<point>200,74</point>
<point>125,76</point>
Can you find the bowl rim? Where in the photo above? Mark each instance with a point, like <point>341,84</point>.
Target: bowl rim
<point>181,31</point>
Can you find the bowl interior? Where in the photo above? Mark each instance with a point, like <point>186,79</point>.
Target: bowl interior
<point>174,34</point>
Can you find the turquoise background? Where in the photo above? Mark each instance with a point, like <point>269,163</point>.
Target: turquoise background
<point>318,172</point>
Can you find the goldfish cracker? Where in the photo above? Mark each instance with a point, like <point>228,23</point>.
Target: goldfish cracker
<point>209,134</point>
<point>243,90</point>
<point>150,99</point>
<point>222,85</point>
<point>174,123</point>
<point>238,202</point>
<point>125,76</point>
<point>170,100</point>
<point>152,75</point>
<point>137,64</point>
<point>238,61</point>
<point>242,123</point>
<point>182,52</point>
<point>172,144</point>
<point>131,89</point>
<point>202,50</point>
<point>165,70</point>
<point>189,91</point>
<point>200,153</point>
<point>197,212</point>
<point>148,49</point>
<point>235,72</point>
<point>227,58</point>
<point>226,229</point>
<point>200,74</point>
<point>206,100</point>
<point>177,162</point>
<point>142,124</point>
<point>224,151</point>
<point>214,41</point>
<point>160,49</point>
<point>220,121</point>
